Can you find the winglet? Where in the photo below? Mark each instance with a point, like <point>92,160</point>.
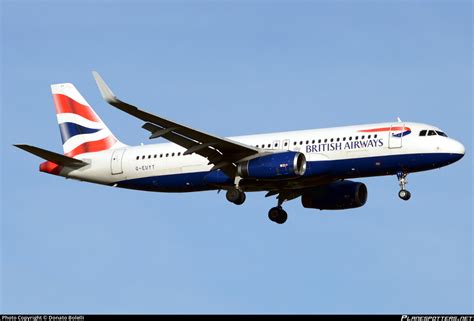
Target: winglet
<point>105,91</point>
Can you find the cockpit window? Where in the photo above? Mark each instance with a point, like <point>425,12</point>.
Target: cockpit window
<point>426,132</point>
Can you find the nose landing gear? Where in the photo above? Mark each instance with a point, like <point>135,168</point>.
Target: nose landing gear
<point>402,179</point>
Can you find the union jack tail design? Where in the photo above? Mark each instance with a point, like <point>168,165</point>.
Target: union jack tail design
<point>82,131</point>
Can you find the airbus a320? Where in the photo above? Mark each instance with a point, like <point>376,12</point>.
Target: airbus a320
<point>315,165</point>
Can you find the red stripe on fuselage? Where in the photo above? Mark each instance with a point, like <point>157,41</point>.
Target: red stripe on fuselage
<point>65,104</point>
<point>383,129</point>
<point>95,146</point>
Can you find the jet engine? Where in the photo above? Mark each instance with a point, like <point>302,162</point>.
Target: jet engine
<point>277,165</point>
<point>336,196</point>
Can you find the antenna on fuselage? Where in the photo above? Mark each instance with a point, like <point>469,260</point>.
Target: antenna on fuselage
<point>399,120</point>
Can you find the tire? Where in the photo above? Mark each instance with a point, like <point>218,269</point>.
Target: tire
<point>282,217</point>
<point>233,195</point>
<point>273,214</point>
<point>277,215</point>
<point>241,199</point>
<point>404,195</point>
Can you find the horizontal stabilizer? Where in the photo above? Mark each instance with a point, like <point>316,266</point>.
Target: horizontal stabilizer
<point>52,157</point>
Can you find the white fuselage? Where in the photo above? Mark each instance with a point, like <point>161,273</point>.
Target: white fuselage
<point>352,151</point>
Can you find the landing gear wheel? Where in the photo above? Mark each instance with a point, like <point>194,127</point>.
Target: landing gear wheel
<point>273,214</point>
<point>282,218</point>
<point>241,199</point>
<point>404,194</point>
<point>277,215</point>
<point>402,180</point>
<point>235,196</point>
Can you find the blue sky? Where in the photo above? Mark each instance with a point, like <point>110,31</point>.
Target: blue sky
<point>231,68</point>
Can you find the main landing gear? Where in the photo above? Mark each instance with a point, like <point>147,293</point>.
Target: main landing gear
<point>235,196</point>
<point>277,214</point>
<point>403,193</point>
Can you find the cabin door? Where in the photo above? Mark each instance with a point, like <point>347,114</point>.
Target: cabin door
<point>116,161</point>
<point>395,135</point>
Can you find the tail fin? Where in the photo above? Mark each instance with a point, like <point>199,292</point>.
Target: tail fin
<point>82,131</point>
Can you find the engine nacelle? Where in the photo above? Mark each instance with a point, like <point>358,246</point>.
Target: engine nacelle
<point>277,165</point>
<point>336,196</point>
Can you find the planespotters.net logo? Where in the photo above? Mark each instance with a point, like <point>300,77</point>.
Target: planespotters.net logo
<point>436,318</point>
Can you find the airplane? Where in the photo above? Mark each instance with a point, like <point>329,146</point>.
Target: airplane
<point>316,165</point>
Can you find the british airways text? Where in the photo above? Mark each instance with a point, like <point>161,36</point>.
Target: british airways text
<point>329,147</point>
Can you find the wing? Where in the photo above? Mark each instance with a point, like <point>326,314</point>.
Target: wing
<point>221,152</point>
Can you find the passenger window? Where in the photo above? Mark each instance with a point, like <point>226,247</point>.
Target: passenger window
<point>149,156</point>
<point>319,141</point>
<point>301,142</point>
<point>269,145</point>
<point>326,140</point>
<point>138,157</point>
<point>167,154</point>
<point>314,141</point>
<point>143,157</point>
<point>423,132</point>
<point>375,136</point>
<point>294,144</point>
<point>332,139</point>
<point>161,155</point>
<point>276,144</point>
<point>362,137</point>
<point>431,133</point>
<point>307,142</point>
<point>357,137</point>
<point>369,136</point>
<point>179,154</point>
<point>154,156</point>
<point>350,138</point>
<point>343,139</point>
<point>337,139</point>
<point>286,144</point>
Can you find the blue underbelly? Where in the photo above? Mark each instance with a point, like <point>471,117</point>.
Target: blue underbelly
<point>345,168</point>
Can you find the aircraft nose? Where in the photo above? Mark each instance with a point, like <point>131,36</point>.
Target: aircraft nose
<point>457,150</point>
